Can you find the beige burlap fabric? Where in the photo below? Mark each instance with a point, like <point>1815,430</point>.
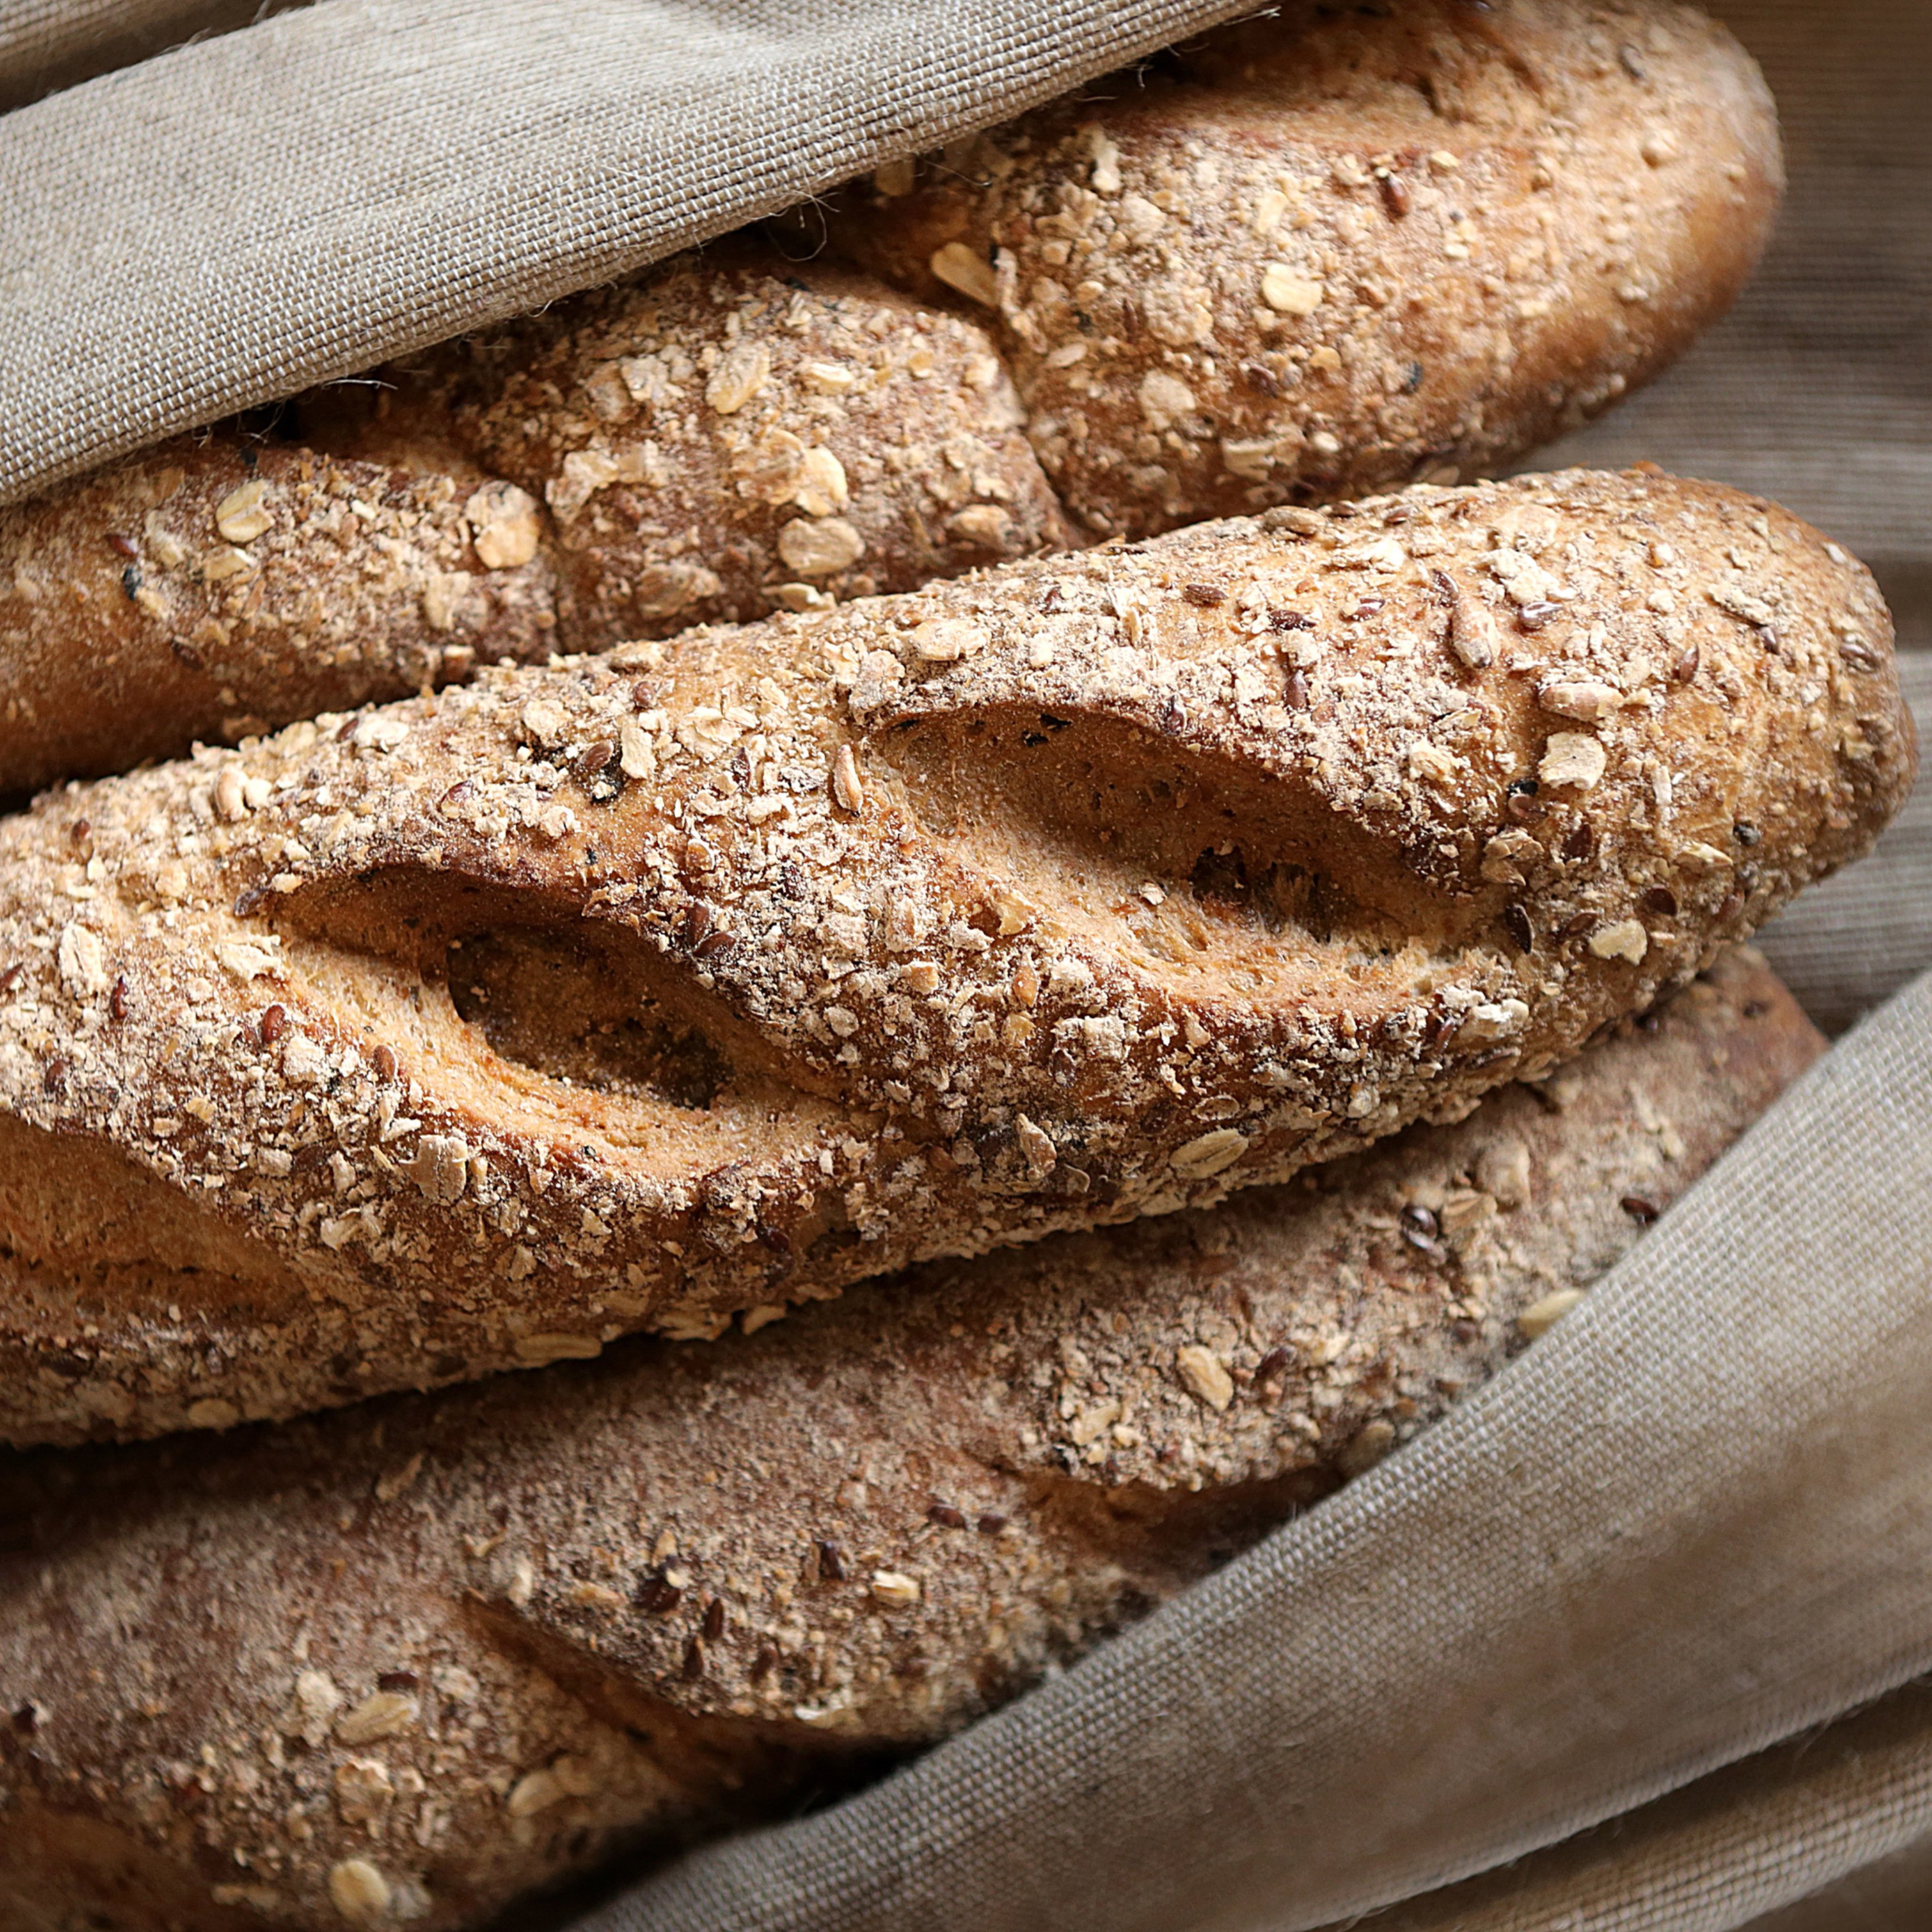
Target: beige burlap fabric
<point>270,207</point>
<point>1599,1651</point>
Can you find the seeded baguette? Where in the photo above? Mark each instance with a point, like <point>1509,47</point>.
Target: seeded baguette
<point>729,436</point>
<point>472,1032</point>
<point>1330,250</point>
<point>213,586</point>
<point>1289,269</point>
<point>462,1645</point>
<point>734,434</point>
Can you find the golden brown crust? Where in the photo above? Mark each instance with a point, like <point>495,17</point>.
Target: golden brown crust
<point>475,1640</point>
<point>1332,250</point>
<point>212,586</point>
<point>727,438</point>
<point>471,1032</point>
<point>733,435</point>
<point>1309,256</point>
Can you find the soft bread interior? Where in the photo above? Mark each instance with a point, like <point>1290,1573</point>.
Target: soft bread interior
<point>512,1005</point>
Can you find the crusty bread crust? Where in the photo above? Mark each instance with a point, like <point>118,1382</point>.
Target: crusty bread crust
<point>474,1032</point>
<point>1332,250</point>
<point>1496,220</point>
<point>733,434</point>
<point>476,1640</point>
<point>728,437</point>
<point>213,586</point>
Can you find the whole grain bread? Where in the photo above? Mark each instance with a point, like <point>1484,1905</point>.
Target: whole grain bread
<point>215,586</point>
<point>734,434</point>
<point>403,1663</point>
<point>1331,249</point>
<point>471,1032</point>
<point>728,437</point>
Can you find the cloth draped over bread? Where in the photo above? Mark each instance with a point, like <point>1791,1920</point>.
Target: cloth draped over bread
<point>331,226</point>
<point>1615,1582</point>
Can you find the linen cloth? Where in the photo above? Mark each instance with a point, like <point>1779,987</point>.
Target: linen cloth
<point>1599,1651</point>
<point>232,221</point>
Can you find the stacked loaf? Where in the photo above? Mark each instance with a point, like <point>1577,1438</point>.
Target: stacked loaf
<point>688,980</point>
<point>781,781</point>
<point>435,1651</point>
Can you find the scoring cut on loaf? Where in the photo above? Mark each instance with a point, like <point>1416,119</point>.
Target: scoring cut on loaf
<point>1330,250</point>
<point>472,1032</point>
<point>464,1644</point>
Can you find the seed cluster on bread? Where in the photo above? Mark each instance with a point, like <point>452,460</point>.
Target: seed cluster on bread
<point>453,1647</point>
<point>1332,250</point>
<point>733,435</point>
<point>727,437</point>
<point>1316,255</point>
<point>475,1031</point>
<point>213,586</point>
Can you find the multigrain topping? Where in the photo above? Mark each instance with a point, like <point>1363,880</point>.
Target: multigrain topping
<point>731,434</point>
<point>1328,250</point>
<point>728,436</point>
<point>269,582</point>
<point>1176,319</point>
<point>678,1588</point>
<point>866,968</point>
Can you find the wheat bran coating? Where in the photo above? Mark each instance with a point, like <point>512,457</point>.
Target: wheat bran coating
<point>1311,257</point>
<point>477,1639</point>
<point>732,435</point>
<point>213,586</point>
<point>472,1032</point>
<point>1333,249</point>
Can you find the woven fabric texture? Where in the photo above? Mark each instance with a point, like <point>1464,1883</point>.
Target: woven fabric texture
<point>1854,1799</point>
<point>235,221</point>
<point>1347,1725</point>
<point>1694,1521</point>
<point>1598,1652</point>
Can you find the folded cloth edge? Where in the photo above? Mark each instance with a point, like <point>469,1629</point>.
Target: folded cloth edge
<point>236,219</point>
<point>1757,1836</point>
<point>45,45</point>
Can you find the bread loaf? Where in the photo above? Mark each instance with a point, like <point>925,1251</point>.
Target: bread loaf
<point>403,1664</point>
<point>1330,250</point>
<point>727,437</point>
<point>214,586</point>
<point>1311,256</point>
<point>473,1032</point>
<point>733,435</point>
